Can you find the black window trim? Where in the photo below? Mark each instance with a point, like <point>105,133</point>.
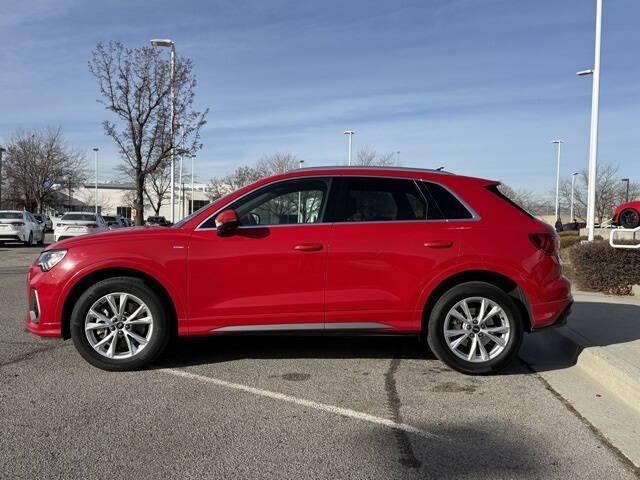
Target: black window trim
<point>474,216</point>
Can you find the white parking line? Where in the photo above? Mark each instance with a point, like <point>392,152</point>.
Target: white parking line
<point>347,412</point>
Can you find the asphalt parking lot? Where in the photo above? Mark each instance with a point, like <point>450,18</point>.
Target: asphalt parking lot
<point>277,407</point>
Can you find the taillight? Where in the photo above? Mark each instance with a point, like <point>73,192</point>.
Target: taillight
<point>18,224</point>
<point>547,242</point>
<point>59,224</point>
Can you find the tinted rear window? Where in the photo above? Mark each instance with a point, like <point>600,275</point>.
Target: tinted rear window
<point>450,207</point>
<point>11,215</point>
<point>79,217</point>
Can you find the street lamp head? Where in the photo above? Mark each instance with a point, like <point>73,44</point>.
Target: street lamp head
<point>625,180</point>
<point>583,73</point>
<point>575,173</point>
<point>557,141</point>
<point>349,132</point>
<point>162,42</point>
<point>95,149</point>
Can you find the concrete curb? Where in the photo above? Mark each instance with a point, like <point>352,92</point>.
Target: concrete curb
<point>615,374</point>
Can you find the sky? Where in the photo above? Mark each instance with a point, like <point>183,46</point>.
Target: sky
<point>480,87</point>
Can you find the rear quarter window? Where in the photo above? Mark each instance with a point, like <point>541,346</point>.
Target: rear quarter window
<point>450,207</point>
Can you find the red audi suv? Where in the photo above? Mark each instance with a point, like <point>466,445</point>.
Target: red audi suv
<point>321,250</point>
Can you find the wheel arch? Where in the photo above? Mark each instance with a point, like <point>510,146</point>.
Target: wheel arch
<point>96,276</point>
<point>506,284</point>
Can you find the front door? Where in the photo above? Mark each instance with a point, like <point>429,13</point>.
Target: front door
<point>269,274</point>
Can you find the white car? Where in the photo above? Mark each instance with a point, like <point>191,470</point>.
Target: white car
<point>20,226</point>
<point>74,224</point>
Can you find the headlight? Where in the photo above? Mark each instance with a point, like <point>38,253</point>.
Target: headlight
<point>50,259</point>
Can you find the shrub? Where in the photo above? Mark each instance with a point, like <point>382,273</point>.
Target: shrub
<point>568,240</point>
<point>598,266</point>
<point>568,233</point>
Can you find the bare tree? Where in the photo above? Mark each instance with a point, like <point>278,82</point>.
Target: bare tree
<point>610,192</point>
<point>527,199</point>
<point>135,85</point>
<point>367,157</point>
<point>38,165</point>
<point>245,175</point>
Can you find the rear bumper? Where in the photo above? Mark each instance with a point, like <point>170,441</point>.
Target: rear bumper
<point>559,320</point>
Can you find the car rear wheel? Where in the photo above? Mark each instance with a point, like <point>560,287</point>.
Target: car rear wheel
<point>629,218</point>
<point>119,324</point>
<point>475,328</point>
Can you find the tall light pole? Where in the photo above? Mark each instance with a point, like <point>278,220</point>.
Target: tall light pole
<point>300,164</point>
<point>166,42</point>
<point>2,150</point>
<point>192,184</point>
<point>398,158</point>
<point>558,142</point>
<point>573,182</point>
<point>181,184</point>
<point>95,158</point>
<point>350,133</point>
<point>593,140</point>
<point>626,180</point>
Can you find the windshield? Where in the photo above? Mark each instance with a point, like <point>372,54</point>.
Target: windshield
<point>197,212</point>
<point>11,215</point>
<point>81,217</point>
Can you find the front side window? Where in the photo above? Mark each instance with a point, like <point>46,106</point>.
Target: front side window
<point>284,203</point>
<point>371,199</point>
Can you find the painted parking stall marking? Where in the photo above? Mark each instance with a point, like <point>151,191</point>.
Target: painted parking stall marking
<point>347,412</point>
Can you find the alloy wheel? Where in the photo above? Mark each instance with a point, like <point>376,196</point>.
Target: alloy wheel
<point>477,329</point>
<point>118,325</point>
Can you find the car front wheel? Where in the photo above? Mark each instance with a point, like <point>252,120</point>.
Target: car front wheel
<point>119,324</point>
<point>475,328</point>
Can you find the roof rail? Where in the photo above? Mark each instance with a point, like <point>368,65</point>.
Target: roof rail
<point>377,167</point>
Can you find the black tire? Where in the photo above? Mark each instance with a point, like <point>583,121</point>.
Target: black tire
<point>629,218</point>
<point>29,242</point>
<point>436,336</point>
<point>134,286</point>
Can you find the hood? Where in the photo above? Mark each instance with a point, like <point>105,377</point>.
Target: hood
<point>117,235</point>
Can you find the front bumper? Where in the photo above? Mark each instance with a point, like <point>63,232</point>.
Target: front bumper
<point>42,300</point>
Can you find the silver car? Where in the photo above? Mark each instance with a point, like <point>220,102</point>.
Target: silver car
<point>74,224</point>
<point>20,226</point>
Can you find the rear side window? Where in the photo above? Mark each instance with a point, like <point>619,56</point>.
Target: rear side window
<point>450,207</point>
<point>11,215</point>
<point>371,199</point>
<point>79,217</point>
<point>494,189</point>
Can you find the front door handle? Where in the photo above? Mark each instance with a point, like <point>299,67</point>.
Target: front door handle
<point>438,243</point>
<point>308,247</point>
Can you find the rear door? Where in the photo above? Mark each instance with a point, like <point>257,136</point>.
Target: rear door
<point>387,240</point>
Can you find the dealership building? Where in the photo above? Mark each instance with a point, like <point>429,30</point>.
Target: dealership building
<point>115,198</point>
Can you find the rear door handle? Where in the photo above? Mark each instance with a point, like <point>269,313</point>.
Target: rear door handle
<point>438,243</point>
<point>308,247</point>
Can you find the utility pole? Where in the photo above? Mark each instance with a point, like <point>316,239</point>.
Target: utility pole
<point>398,158</point>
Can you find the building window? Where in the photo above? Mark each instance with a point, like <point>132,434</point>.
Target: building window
<point>197,204</point>
<point>124,212</point>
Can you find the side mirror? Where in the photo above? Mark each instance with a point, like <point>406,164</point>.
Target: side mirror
<point>226,222</point>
